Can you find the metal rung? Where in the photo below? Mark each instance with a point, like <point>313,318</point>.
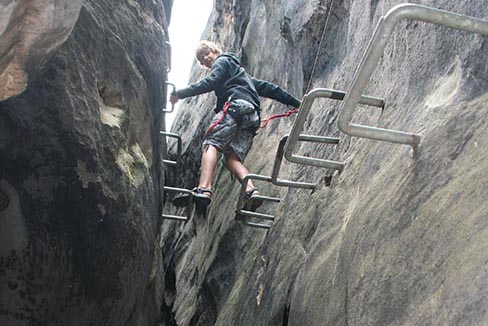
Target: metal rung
<point>318,139</point>
<point>374,52</point>
<point>188,209</point>
<point>172,104</point>
<point>276,170</point>
<point>242,195</point>
<point>267,198</point>
<point>175,218</point>
<point>258,215</point>
<point>257,225</point>
<point>296,136</point>
<point>179,146</point>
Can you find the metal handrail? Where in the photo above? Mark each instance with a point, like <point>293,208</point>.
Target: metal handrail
<point>179,146</point>
<point>168,56</point>
<point>373,53</point>
<point>242,195</point>
<point>298,126</point>
<point>188,209</point>
<point>172,104</point>
<point>277,165</point>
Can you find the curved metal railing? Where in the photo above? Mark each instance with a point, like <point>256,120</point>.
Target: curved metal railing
<point>373,53</point>
<point>296,136</point>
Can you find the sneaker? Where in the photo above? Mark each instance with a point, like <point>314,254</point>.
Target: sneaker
<point>254,199</point>
<point>201,196</point>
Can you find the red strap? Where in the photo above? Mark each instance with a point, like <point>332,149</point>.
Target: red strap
<point>212,127</point>
<point>265,122</point>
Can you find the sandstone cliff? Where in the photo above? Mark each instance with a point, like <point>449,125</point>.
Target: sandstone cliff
<point>395,239</point>
<point>80,170</point>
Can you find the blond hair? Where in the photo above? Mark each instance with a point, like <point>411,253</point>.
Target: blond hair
<point>205,47</point>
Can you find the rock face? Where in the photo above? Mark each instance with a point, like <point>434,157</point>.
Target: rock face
<point>396,238</point>
<point>29,33</point>
<point>80,171</point>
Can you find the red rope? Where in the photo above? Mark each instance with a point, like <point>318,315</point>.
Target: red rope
<point>212,127</point>
<point>265,122</point>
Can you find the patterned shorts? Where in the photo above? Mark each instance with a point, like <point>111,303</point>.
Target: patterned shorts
<point>230,137</point>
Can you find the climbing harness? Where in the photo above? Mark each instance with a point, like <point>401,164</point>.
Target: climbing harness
<point>224,112</point>
<point>265,122</point>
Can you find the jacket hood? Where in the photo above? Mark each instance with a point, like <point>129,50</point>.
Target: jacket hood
<point>232,56</point>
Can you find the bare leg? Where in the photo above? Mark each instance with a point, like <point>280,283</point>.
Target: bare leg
<point>209,162</point>
<point>238,170</point>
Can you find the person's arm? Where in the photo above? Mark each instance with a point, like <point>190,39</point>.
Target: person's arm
<point>272,91</point>
<point>209,83</point>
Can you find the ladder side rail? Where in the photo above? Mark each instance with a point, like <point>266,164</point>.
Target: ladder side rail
<point>371,58</point>
<point>298,126</point>
<point>173,86</point>
<point>188,208</point>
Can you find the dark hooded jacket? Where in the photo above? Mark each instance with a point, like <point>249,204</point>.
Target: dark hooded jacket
<point>230,81</point>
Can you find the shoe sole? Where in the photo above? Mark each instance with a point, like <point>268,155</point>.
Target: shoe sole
<point>202,200</point>
<point>256,203</point>
<point>181,200</point>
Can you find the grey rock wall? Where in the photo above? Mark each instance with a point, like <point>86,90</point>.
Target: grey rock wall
<point>29,32</point>
<point>396,238</point>
<point>80,166</point>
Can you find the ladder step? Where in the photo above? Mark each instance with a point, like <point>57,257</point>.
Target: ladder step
<point>318,139</point>
<point>170,162</point>
<point>258,215</point>
<point>175,217</point>
<point>257,225</point>
<point>173,189</point>
<point>267,198</point>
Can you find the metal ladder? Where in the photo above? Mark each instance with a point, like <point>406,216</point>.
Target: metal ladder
<point>189,207</point>
<point>288,144</point>
<point>373,53</point>
<point>354,97</point>
<point>296,136</point>
<point>241,210</point>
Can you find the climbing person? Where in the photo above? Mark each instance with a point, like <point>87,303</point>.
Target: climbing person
<point>237,118</point>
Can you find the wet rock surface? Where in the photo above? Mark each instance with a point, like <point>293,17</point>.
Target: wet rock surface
<point>80,166</point>
<point>397,238</point>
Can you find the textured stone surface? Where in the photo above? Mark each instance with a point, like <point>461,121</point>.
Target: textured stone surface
<point>395,239</point>
<point>29,33</point>
<point>80,163</point>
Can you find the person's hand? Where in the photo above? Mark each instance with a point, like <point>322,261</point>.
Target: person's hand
<point>173,98</point>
